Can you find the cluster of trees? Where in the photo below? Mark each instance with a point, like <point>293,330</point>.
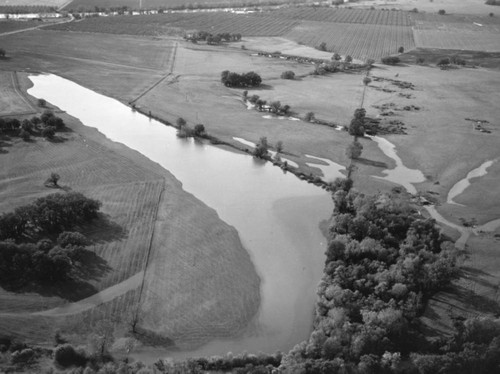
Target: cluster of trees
<point>231,79</point>
<point>46,125</point>
<point>357,126</point>
<point>391,60</point>
<point>288,75</point>
<point>36,241</point>
<point>185,131</point>
<point>49,215</point>
<point>213,39</point>
<point>455,60</point>
<point>383,262</point>
<point>273,107</point>
<point>493,2</point>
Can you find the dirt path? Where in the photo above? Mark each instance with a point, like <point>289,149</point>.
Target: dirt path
<point>102,297</point>
<point>37,27</point>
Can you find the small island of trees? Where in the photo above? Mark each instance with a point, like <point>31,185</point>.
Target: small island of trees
<point>231,79</point>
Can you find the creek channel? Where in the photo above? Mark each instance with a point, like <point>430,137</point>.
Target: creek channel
<point>276,215</point>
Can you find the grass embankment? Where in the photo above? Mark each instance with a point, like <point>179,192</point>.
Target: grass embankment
<point>145,212</point>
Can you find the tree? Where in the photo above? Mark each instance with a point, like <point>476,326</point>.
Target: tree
<point>49,132</point>
<point>288,75</point>
<point>275,106</point>
<point>2,53</point>
<point>199,130</point>
<point>41,103</point>
<point>390,60</point>
<point>309,117</point>
<point>441,12</point>
<point>348,59</point>
<point>367,81</point>
<point>322,46</point>
<point>336,57</point>
<point>444,61</point>
<point>46,115</point>
<point>401,49</point>
<point>180,122</point>
<point>279,146</point>
<point>25,135</point>
<point>354,150</point>
<point>262,148</point>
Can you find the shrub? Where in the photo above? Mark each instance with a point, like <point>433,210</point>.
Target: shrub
<point>322,46</point>
<point>49,132</point>
<point>288,75</point>
<point>199,130</point>
<point>442,12</point>
<point>444,61</point>
<point>24,356</point>
<point>65,356</point>
<point>391,60</point>
<point>401,49</point>
<point>309,117</point>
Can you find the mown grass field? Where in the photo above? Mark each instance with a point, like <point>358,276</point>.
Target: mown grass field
<point>11,100</point>
<point>460,36</point>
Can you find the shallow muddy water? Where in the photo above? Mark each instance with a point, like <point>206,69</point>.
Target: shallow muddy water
<point>400,174</point>
<point>462,184</point>
<point>276,214</point>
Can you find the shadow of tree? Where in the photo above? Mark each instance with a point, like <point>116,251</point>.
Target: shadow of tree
<point>366,161</point>
<point>103,229</point>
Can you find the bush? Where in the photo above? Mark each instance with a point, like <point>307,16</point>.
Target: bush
<point>442,12</point>
<point>401,49</point>
<point>288,75</point>
<point>49,132</point>
<point>199,130</point>
<point>444,61</point>
<point>309,117</point>
<point>391,60</point>
<point>65,356</point>
<point>23,357</point>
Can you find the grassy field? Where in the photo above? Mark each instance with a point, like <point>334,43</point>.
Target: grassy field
<point>460,36</point>
<point>143,207</point>
<point>12,102</point>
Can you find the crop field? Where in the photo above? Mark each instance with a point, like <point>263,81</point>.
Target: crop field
<point>155,4</point>
<point>466,36</point>
<point>50,3</point>
<point>358,40</point>
<point>344,15</point>
<point>176,23</point>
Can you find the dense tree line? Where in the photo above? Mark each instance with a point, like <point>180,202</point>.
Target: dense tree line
<point>383,262</point>
<point>47,125</point>
<point>231,79</point>
<point>213,39</point>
